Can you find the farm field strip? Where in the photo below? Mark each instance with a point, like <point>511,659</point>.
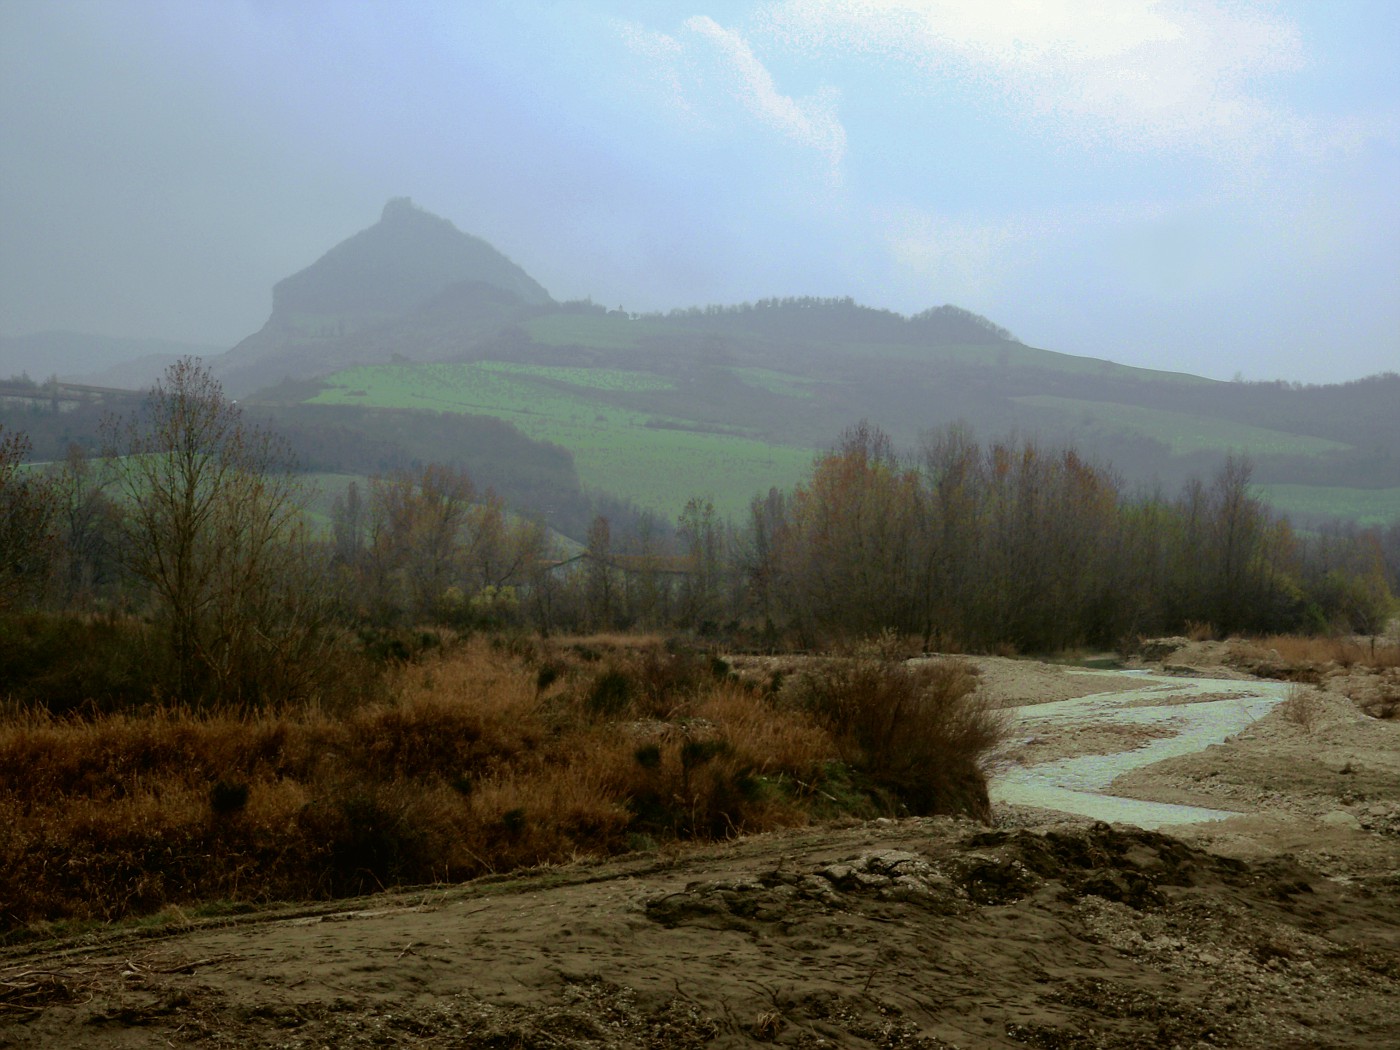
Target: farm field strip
<point>614,449</point>
<point>590,330</point>
<point>1184,433</point>
<point>1365,506</point>
<point>1015,355</point>
<point>784,384</point>
<point>609,379</point>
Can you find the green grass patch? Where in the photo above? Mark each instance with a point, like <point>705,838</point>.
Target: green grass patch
<point>1364,506</point>
<point>610,379</point>
<point>1182,432</point>
<point>322,490</point>
<point>593,331</point>
<point>657,461</point>
<point>1017,355</point>
<point>780,383</point>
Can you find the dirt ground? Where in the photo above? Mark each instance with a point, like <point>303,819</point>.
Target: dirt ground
<point>1279,928</point>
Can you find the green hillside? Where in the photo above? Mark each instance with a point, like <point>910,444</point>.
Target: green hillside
<point>658,461</point>
<point>731,401</point>
<point>1183,432</point>
<point>414,318</point>
<point>412,342</point>
<point>1321,502</point>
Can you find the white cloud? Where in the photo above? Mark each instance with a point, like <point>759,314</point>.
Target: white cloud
<point>968,259</point>
<point>666,57</point>
<point>958,260</point>
<point>810,122</point>
<point>1145,74</point>
<point>706,54</point>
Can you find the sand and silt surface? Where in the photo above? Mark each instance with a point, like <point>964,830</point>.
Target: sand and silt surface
<point>1171,863</point>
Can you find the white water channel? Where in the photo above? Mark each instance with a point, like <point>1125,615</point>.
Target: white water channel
<point>1080,785</point>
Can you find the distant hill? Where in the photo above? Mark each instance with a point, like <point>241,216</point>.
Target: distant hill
<point>727,400</point>
<point>405,328</point>
<point>101,360</point>
<point>388,269</point>
<point>326,315</point>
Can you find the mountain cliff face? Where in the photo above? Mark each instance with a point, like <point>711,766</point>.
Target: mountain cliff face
<point>325,316</point>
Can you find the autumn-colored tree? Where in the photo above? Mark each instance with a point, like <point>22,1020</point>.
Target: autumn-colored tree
<point>849,552</point>
<point>417,521</point>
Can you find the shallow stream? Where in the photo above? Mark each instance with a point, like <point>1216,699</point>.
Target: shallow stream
<point>1165,702</point>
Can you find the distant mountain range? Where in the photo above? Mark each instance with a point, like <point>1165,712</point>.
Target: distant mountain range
<point>412,315</point>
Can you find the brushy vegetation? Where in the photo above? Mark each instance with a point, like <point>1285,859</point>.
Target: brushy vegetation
<point>1310,652</point>
<point>1302,707</point>
<point>482,757</point>
<point>916,729</point>
<point>1368,668</point>
<point>91,665</point>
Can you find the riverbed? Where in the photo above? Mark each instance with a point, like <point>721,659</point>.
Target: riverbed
<point>1152,716</point>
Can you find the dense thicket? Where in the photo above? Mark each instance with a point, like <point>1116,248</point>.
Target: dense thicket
<point>1011,544</point>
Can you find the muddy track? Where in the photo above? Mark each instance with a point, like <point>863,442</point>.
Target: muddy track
<point>918,933</point>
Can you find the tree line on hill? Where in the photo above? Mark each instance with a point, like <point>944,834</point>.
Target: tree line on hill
<point>187,542</point>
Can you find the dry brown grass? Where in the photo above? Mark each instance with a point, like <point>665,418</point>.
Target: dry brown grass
<point>474,767</point>
<point>481,762</point>
<point>1199,631</point>
<point>1311,652</point>
<point>917,730</point>
<point>1302,707</point>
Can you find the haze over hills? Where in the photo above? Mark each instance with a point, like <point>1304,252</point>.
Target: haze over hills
<point>327,314</point>
<point>413,315</point>
<point>98,359</point>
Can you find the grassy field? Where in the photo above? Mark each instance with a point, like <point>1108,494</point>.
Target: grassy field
<point>322,490</point>
<point>615,379</point>
<point>591,330</point>
<point>1181,432</point>
<point>781,383</point>
<point>1016,355</point>
<point>1364,506</point>
<point>657,461</point>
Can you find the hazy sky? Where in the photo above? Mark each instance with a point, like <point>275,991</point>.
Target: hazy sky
<point>1207,186</point>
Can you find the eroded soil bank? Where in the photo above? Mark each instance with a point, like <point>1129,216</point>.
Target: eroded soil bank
<point>1279,928</point>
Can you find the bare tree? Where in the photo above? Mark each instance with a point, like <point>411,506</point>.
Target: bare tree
<point>213,527</point>
<point>87,522</point>
<point>700,534</point>
<point>27,515</point>
<point>599,584</point>
<point>416,530</point>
